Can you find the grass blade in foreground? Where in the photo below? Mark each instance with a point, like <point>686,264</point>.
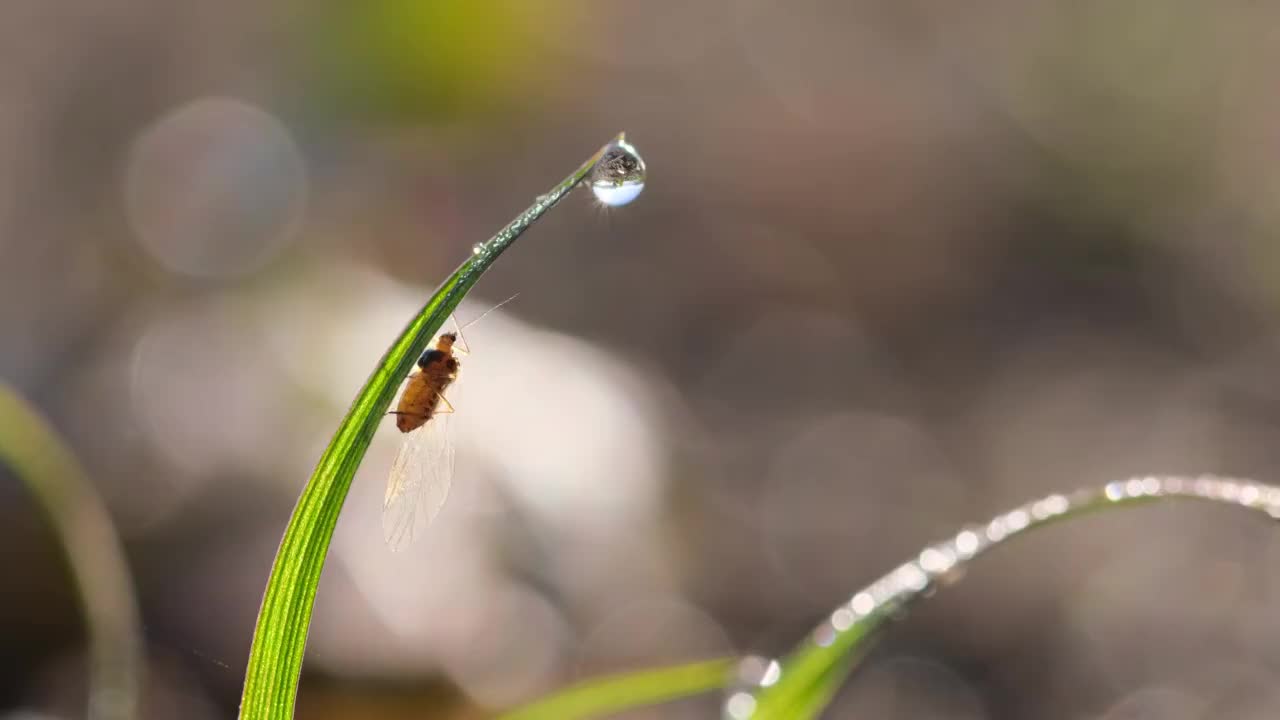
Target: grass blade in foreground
<point>811,675</point>
<point>615,693</point>
<point>52,474</point>
<point>275,660</point>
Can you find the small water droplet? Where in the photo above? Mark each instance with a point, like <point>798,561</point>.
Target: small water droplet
<point>842,619</point>
<point>477,249</point>
<point>968,542</point>
<point>758,671</point>
<point>751,674</point>
<point>824,635</point>
<point>740,706</point>
<point>619,176</point>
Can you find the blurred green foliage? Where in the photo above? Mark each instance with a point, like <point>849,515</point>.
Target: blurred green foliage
<point>410,60</point>
<point>602,696</point>
<point>96,560</point>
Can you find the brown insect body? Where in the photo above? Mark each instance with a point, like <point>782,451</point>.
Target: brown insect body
<point>437,369</point>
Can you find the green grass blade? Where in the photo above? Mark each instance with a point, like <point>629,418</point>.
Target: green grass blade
<point>602,696</point>
<point>93,550</point>
<point>811,675</point>
<point>811,704</point>
<point>275,659</point>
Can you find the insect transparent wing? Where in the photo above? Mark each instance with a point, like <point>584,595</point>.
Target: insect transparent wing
<point>419,482</point>
<point>438,456</point>
<point>400,504</point>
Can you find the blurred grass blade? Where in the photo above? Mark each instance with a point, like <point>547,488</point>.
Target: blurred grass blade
<point>93,550</point>
<point>813,673</point>
<point>811,676</point>
<point>275,660</point>
<point>601,697</point>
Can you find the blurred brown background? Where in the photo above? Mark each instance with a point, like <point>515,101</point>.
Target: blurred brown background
<point>899,265</point>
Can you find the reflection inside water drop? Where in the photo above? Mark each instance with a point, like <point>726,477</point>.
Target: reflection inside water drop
<point>618,177</point>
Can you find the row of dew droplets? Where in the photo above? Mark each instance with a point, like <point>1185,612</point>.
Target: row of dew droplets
<point>616,179</point>
<point>944,563</point>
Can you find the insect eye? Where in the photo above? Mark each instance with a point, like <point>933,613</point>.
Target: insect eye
<point>429,357</point>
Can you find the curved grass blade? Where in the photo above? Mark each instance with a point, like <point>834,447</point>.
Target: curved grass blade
<point>93,551</point>
<point>813,673</point>
<point>600,697</point>
<point>275,659</point>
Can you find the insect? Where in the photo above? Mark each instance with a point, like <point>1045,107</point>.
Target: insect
<point>423,396</point>
<point>422,472</point>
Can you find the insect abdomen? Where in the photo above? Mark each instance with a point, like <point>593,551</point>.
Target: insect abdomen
<point>417,403</point>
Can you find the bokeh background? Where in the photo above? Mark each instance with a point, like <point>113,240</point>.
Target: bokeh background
<point>899,266</point>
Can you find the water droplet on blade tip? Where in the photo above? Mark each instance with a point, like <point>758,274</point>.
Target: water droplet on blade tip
<point>619,175</point>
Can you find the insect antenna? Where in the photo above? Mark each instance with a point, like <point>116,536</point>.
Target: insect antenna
<point>462,346</point>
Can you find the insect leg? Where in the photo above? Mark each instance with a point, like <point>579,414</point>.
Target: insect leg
<point>446,403</point>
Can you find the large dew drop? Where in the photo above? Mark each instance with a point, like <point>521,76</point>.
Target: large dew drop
<point>619,176</point>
